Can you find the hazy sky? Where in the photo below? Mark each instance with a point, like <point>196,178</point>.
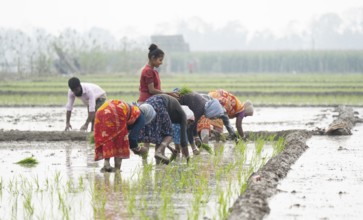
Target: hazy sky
<point>145,17</point>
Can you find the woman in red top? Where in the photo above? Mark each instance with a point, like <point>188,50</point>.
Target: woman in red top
<point>150,81</point>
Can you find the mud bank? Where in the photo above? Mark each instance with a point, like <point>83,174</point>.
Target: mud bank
<point>344,123</point>
<point>252,204</point>
<point>16,135</point>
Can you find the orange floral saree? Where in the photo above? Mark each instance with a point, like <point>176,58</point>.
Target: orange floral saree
<point>110,129</point>
<point>206,123</point>
<point>230,102</point>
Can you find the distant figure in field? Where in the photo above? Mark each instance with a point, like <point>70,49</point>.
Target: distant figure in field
<point>234,107</point>
<point>150,83</point>
<point>91,95</point>
<point>117,130</point>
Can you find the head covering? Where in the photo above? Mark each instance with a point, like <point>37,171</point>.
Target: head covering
<point>248,107</point>
<point>206,96</point>
<point>148,112</point>
<point>189,113</point>
<point>213,109</point>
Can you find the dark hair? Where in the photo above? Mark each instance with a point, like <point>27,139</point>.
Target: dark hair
<point>73,83</point>
<point>155,52</point>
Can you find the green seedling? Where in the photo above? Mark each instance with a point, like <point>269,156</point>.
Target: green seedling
<point>185,90</point>
<point>28,162</point>
<point>207,148</point>
<point>91,138</point>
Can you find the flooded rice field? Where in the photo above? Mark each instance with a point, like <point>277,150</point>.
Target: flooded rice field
<point>67,183</point>
<point>264,119</point>
<point>325,182</point>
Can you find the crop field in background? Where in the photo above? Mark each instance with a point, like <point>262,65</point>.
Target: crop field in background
<point>261,89</point>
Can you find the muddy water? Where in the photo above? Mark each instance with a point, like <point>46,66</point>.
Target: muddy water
<point>40,118</point>
<point>264,119</point>
<point>326,181</point>
<point>68,169</point>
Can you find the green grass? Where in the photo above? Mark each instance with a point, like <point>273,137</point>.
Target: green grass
<point>261,89</point>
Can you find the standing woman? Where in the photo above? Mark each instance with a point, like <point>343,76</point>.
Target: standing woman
<point>150,83</point>
<point>234,107</point>
<point>116,131</point>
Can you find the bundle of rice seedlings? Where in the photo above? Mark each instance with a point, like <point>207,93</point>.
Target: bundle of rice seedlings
<point>223,137</point>
<point>207,148</point>
<point>28,162</point>
<point>185,90</point>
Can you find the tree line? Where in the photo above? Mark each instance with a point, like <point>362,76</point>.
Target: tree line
<point>98,51</point>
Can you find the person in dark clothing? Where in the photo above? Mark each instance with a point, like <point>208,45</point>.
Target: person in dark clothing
<point>159,131</point>
<point>211,109</point>
<point>177,116</point>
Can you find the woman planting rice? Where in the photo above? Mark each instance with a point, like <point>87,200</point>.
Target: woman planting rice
<point>160,130</point>
<point>117,128</point>
<point>234,107</point>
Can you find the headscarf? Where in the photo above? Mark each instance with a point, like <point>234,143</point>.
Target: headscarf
<point>189,113</point>
<point>206,96</point>
<point>148,112</point>
<point>213,109</point>
<point>248,107</point>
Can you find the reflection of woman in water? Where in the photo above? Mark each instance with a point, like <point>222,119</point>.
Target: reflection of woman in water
<point>105,190</point>
<point>117,128</point>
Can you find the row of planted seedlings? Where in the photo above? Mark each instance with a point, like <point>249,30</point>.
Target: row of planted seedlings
<point>207,186</point>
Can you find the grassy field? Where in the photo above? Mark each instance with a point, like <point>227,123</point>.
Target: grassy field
<point>261,89</point>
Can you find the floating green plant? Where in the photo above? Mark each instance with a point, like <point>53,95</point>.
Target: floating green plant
<point>28,162</point>
<point>207,148</point>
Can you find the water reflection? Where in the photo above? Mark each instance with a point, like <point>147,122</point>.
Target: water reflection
<point>68,175</point>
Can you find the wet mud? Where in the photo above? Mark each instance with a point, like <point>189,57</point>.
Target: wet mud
<point>252,204</point>
<point>45,136</point>
<point>344,123</point>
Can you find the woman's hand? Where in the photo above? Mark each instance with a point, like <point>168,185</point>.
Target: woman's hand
<point>174,94</point>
